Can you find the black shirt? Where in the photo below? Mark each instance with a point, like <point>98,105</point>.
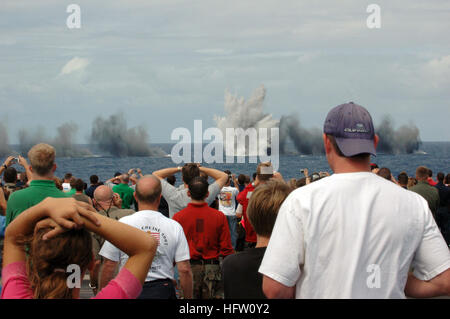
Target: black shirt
<point>241,278</point>
<point>444,194</point>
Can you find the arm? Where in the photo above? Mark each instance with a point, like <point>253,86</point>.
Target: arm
<point>23,162</point>
<point>438,286</point>
<point>275,290</point>
<point>139,171</point>
<point>220,177</point>
<point>235,181</point>
<point>163,173</point>
<point>107,272</point>
<point>7,163</point>
<point>186,282</point>
<point>2,202</point>
<point>64,211</point>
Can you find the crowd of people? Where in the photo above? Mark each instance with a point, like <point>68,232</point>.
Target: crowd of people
<point>357,233</point>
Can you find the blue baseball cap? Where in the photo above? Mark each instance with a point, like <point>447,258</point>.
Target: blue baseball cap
<point>352,127</point>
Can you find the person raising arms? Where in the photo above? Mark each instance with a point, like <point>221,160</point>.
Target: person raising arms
<point>45,239</point>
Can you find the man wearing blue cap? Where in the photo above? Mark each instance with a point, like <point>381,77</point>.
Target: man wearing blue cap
<point>354,234</point>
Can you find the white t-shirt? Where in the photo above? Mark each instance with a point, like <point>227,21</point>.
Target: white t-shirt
<point>227,200</point>
<point>66,187</point>
<point>353,235</point>
<point>172,243</point>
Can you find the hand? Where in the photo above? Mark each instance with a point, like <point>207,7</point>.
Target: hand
<point>8,161</point>
<point>130,171</point>
<point>23,162</point>
<point>49,223</point>
<point>277,175</point>
<point>67,212</point>
<point>117,200</point>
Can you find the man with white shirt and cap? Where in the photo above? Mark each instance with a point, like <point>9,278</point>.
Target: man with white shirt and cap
<point>354,234</point>
<point>172,245</point>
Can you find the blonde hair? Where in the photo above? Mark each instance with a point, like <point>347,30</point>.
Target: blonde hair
<point>264,204</point>
<point>42,158</point>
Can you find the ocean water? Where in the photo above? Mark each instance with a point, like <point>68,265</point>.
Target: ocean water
<point>435,155</point>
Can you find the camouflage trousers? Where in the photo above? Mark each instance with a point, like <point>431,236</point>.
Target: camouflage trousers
<point>208,282</point>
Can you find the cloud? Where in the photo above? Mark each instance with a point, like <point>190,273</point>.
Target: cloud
<point>76,64</point>
<point>214,51</point>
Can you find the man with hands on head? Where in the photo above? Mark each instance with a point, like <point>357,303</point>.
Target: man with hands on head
<point>178,198</point>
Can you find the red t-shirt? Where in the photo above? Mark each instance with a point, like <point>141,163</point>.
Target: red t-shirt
<point>242,198</point>
<point>206,231</point>
<point>431,182</point>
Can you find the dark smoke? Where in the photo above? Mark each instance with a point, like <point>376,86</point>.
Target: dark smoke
<point>306,141</point>
<point>112,136</point>
<point>405,139</point>
<point>63,141</point>
<point>30,137</point>
<point>4,141</point>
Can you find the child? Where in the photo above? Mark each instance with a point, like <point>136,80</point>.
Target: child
<point>45,239</point>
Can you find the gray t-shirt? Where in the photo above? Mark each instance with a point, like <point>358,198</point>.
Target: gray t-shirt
<point>178,199</point>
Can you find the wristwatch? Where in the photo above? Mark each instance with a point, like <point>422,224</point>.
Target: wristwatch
<point>4,166</point>
<point>91,286</point>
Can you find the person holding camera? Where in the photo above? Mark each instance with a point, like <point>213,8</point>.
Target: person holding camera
<point>227,205</point>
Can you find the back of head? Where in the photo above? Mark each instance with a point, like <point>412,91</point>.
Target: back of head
<point>247,179</point>
<point>42,159</point>
<point>264,171</point>
<point>447,179</point>
<point>385,173</point>
<point>422,173</point>
<point>430,173</point>
<point>440,177</point>
<point>198,188</point>
<point>350,130</point>
<point>189,171</point>
<point>148,190</point>
<point>73,181</point>
<point>241,179</point>
<point>103,193</point>
<point>402,178</point>
<point>93,179</point>
<point>10,175</point>
<point>411,182</point>
<point>264,204</point>
<point>68,176</point>
<point>48,261</point>
<point>125,178</point>
<point>78,185</point>
<point>301,182</point>
<point>171,179</point>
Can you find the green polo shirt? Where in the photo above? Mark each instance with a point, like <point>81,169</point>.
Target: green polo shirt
<point>126,193</point>
<point>430,193</point>
<point>30,196</point>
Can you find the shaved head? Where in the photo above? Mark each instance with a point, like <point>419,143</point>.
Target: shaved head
<point>148,189</point>
<point>103,194</point>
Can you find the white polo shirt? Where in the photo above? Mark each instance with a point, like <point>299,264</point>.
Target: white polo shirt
<point>353,235</point>
<point>172,243</point>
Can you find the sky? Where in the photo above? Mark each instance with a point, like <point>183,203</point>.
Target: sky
<point>165,63</point>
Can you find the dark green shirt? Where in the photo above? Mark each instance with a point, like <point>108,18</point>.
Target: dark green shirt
<point>126,194</point>
<point>428,192</point>
<point>30,196</point>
